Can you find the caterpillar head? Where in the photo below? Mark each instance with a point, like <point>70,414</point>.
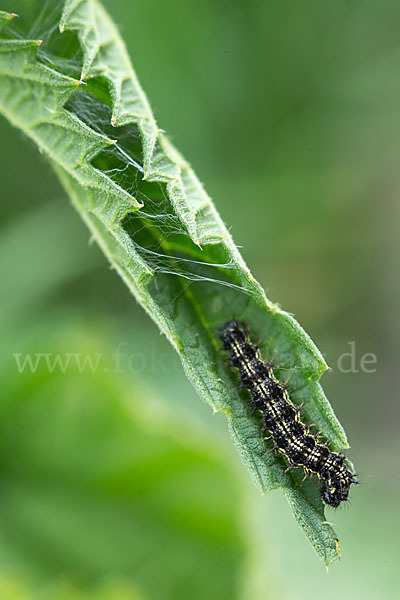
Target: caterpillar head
<point>336,490</point>
<point>333,493</point>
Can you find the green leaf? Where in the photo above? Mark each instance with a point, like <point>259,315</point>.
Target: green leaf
<point>161,232</point>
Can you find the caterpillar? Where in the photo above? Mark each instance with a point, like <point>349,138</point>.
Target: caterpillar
<point>281,417</point>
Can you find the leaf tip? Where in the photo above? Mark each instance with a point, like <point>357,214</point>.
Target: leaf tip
<point>218,410</point>
<point>333,558</point>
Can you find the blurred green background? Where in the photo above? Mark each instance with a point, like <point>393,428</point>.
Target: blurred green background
<point>124,486</point>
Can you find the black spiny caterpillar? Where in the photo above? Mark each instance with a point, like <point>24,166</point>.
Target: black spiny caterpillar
<point>282,418</point>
